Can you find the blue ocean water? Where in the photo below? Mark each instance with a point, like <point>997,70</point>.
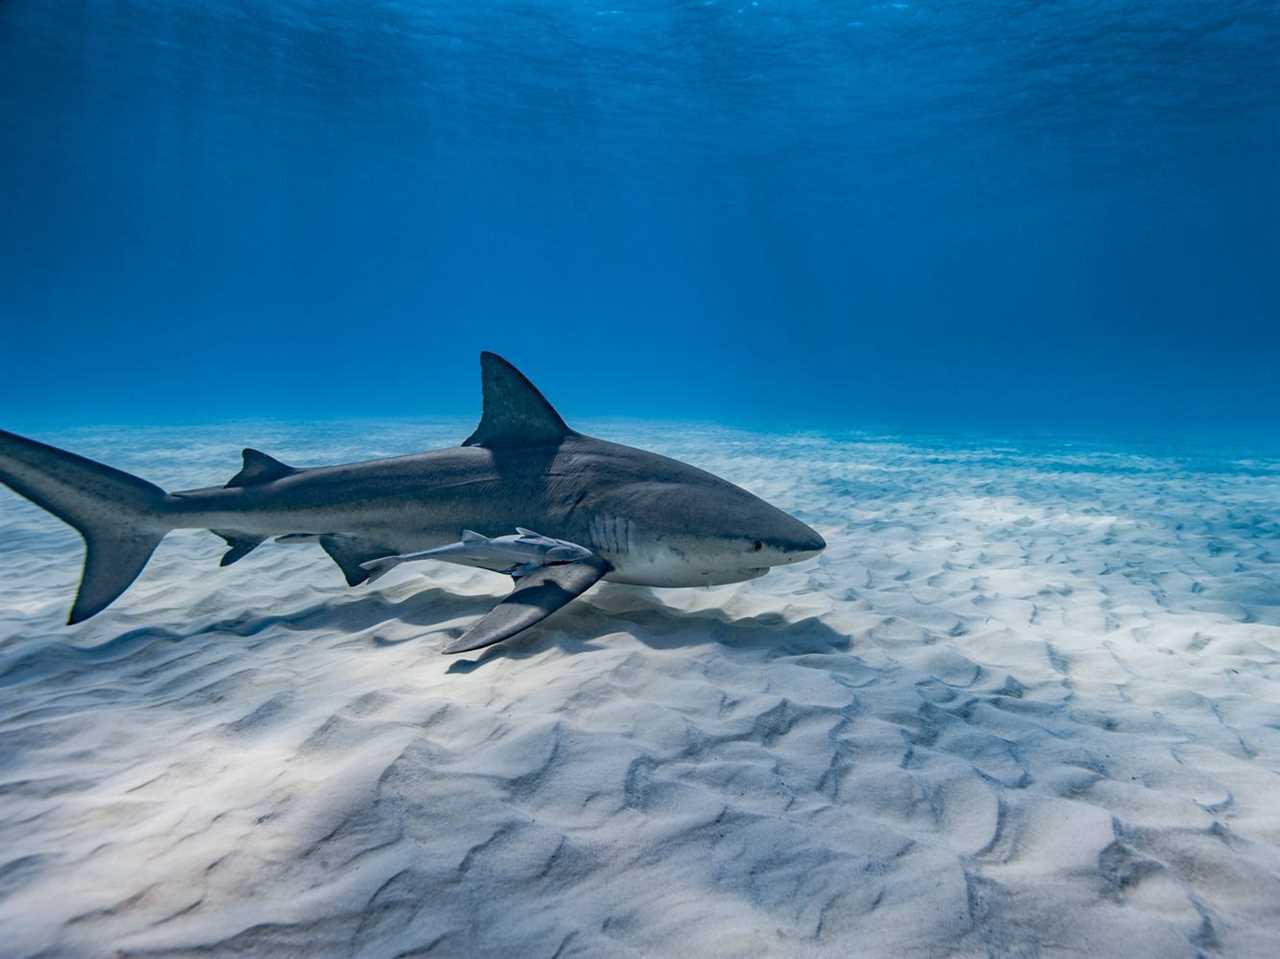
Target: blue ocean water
<point>1051,219</point>
<point>986,292</point>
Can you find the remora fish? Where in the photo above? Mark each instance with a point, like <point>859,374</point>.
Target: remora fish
<point>519,554</point>
<point>646,519</point>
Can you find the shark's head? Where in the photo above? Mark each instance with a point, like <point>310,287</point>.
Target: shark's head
<point>654,520</point>
<point>728,535</point>
<point>680,526</point>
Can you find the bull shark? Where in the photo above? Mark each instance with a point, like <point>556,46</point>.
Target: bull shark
<point>636,517</point>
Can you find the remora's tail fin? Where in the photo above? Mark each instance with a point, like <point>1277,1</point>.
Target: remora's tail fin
<point>122,518</point>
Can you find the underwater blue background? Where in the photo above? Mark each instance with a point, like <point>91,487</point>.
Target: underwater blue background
<point>929,215</point>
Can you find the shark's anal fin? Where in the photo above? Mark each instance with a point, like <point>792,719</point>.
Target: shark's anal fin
<point>515,413</point>
<point>240,545</point>
<point>536,596</point>
<point>259,468</point>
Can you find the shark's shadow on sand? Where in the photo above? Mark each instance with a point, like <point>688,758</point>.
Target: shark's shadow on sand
<point>638,611</point>
<point>956,766</point>
<point>582,628</point>
<point>642,613</point>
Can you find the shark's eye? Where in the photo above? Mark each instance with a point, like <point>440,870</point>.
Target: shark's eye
<point>757,546</point>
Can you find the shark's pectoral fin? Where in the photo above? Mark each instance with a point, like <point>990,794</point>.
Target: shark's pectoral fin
<point>536,596</point>
<point>349,552</point>
<point>241,545</point>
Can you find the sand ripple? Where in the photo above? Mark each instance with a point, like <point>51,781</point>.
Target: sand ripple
<point>1026,704</point>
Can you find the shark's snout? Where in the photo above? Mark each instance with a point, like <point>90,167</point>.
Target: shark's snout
<point>811,544</point>
<point>793,542</point>
<point>804,544</point>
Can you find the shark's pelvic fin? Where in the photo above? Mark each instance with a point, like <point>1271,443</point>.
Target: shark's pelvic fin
<point>536,596</point>
<point>259,468</point>
<point>515,413</point>
<point>349,552</point>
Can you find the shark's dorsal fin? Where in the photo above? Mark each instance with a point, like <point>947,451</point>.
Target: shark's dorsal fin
<point>471,536</point>
<point>259,468</point>
<point>515,413</point>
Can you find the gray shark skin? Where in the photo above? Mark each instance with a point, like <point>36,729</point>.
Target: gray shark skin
<point>646,519</point>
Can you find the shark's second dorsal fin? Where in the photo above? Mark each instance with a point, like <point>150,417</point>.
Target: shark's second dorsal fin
<point>471,536</point>
<point>259,468</point>
<point>515,413</point>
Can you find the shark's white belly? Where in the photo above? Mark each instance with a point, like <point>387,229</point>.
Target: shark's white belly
<point>641,559</point>
<point>676,575</point>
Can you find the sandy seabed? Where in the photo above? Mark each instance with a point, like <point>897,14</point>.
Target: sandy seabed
<point>1026,704</point>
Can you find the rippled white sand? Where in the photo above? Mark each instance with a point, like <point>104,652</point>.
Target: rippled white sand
<point>1026,704</point>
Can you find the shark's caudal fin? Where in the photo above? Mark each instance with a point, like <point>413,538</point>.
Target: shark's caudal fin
<point>515,413</point>
<point>121,517</point>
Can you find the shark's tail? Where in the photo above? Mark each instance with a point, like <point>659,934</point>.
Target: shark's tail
<point>122,518</point>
